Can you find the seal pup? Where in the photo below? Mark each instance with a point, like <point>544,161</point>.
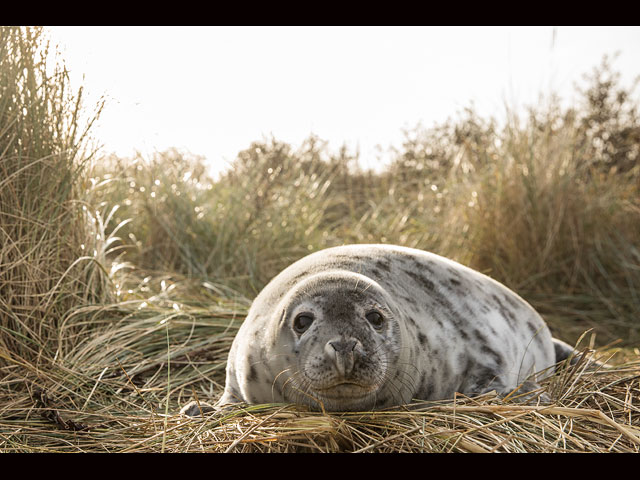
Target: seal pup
<point>362,327</point>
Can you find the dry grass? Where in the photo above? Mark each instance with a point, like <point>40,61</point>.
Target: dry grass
<point>114,404</point>
<point>45,235</point>
<point>483,424</point>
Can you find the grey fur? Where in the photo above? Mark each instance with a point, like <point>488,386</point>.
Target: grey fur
<point>446,329</point>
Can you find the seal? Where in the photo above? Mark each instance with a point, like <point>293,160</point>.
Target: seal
<point>363,327</point>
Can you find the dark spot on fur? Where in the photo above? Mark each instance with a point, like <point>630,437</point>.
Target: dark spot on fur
<point>438,298</point>
<point>421,280</point>
<point>409,300</point>
<point>384,265</point>
<point>376,272</point>
<point>454,272</point>
<point>422,339</point>
<point>463,333</point>
<point>512,301</point>
<point>253,374</point>
<point>508,315</point>
<point>497,358</point>
<point>426,266</point>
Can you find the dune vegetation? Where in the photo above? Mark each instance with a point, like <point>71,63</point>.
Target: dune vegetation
<point>124,280</point>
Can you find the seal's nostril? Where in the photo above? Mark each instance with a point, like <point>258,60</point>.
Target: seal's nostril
<point>343,346</point>
<point>342,353</point>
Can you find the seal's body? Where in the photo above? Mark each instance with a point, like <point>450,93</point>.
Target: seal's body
<point>363,327</point>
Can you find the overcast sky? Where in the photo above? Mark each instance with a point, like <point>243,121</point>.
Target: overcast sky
<point>214,90</point>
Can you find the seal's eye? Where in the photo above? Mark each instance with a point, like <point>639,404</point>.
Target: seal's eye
<point>302,322</point>
<point>375,319</point>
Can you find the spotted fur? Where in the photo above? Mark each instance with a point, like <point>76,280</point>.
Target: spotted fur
<point>446,329</point>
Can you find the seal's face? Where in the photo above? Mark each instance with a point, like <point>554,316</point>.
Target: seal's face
<point>344,334</point>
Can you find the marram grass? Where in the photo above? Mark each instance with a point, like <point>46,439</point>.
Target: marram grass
<point>44,233</point>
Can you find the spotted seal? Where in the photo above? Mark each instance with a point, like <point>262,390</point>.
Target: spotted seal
<point>362,327</point>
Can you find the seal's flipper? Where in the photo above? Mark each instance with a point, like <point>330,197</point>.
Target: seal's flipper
<point>196,409</point>
<point>564,351</point>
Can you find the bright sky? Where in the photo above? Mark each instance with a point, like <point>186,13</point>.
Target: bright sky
<point>214,90</point>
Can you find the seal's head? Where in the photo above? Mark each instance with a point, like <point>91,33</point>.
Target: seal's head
<point>344,332</point>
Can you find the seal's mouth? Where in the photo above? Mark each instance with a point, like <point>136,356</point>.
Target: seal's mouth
<point>346,389</point>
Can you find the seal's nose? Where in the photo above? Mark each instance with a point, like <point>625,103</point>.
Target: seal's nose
<point>342,352</point>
